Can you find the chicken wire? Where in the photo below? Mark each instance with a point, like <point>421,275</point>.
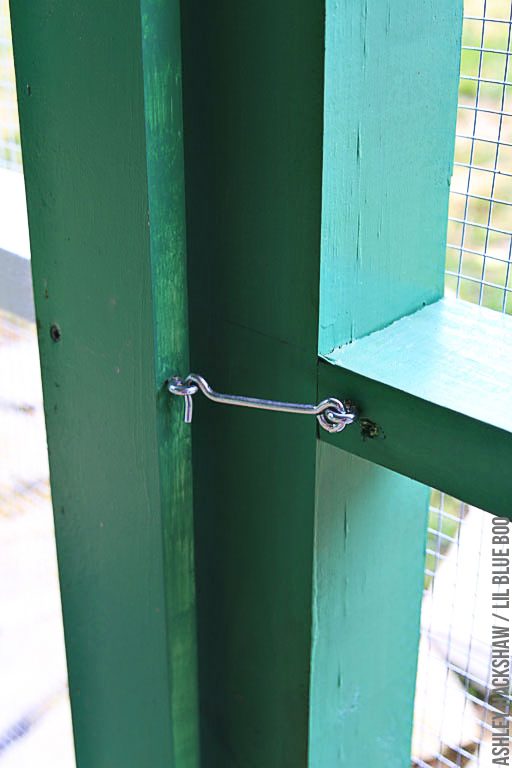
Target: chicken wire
<point>453,711</point>
<point>479,236</point>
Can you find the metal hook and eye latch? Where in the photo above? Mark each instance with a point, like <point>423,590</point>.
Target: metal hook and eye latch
<point>332,414</point>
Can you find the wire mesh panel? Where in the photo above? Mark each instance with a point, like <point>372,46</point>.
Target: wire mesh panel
<point>10,151</point>
<point>479,232</point>
<point>454,703</point>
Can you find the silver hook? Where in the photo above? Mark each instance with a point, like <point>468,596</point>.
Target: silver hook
<point>332,414</point>
<point>176,386</point>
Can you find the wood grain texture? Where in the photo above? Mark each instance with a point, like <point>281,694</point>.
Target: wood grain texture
<point>161,59</point>
<point>253,96</point>
<point>391,80</point>
<point>370,539</point>
<point>99,101</point>
<point>453,354</point>
<point>437,384</point>
<point>253,89</point>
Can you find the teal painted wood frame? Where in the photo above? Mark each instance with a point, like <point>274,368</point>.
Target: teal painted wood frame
<point>99,91</point>
<point>390,110</point>
<point>390,107</point>
<point>306,626</point>
<point>253,102</point>
<point>435,399</point>
<point>312,130</point>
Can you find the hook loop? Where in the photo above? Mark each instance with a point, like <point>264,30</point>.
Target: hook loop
<point>332,414</point>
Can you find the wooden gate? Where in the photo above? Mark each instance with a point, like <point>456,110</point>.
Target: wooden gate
<point>297,157</point>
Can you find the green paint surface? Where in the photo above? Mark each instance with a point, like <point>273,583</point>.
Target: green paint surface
<point>253,90</point>
<point>255,145</point>
<point>292,539</point>
<point>370,538</point>
<point>450,353</point>
<point>161,56</point>
<point>437,387</point>
<point>391,79</point>
<point>99,101</point>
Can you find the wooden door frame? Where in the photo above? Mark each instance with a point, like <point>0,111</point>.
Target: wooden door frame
<point>318,151</point>
<point>99,95</point>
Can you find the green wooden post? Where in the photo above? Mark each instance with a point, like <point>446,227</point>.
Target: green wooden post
<point>390,108</point>
<point>253,101</point>
<point>293,537</point>
<point>391,96</point>
<point>435,388</point>
<point>369,560</point>
<point>308,611</point>
<point>99,92</point>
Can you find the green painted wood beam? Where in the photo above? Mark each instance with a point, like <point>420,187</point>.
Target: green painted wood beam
<point>392,76</point>
<point>391,85</point>
<point>436,385</point>
<point>370,539</point>
<point>253,90</point>
<point>100,108</point>
<point>259,144</point>
<point>99,92</point>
